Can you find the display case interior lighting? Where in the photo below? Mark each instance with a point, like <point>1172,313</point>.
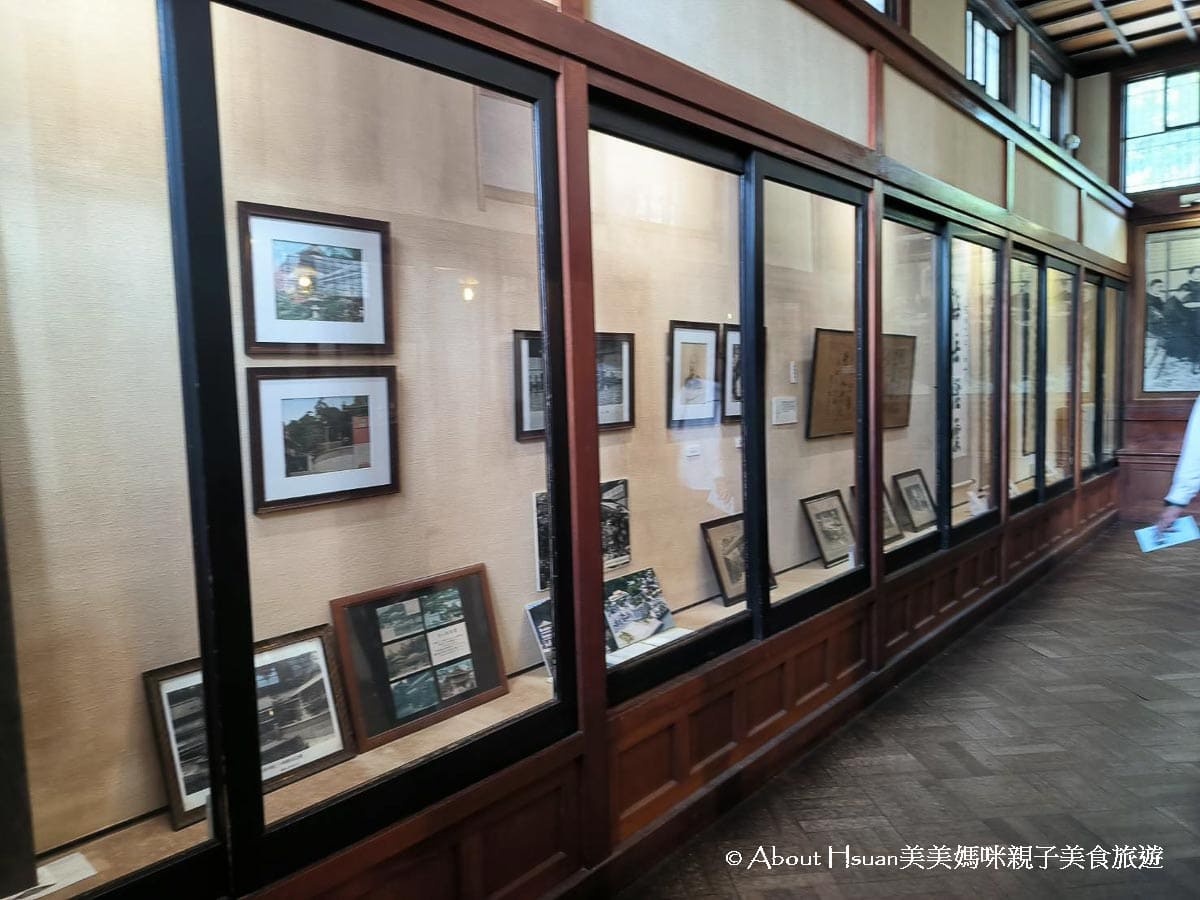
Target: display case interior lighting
<point>469,286</point>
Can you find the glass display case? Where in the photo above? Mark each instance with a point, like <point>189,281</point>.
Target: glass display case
<point>1023,366</point>
<point>1058,424</point>
<point>1114,316</point>
<point>1089,372</point>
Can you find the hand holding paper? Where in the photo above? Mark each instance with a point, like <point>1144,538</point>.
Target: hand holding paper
<point>1184,530</point>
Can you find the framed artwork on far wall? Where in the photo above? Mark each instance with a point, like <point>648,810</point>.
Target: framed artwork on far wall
<point>830,522</point>
<point>321,434</point>
<point>417,653</point>
<point>731,373</point>
<point>304,729</point>
<point>693,374</point>
<point>614,383</point>
<point>313,282</point>
<point>914,496</point>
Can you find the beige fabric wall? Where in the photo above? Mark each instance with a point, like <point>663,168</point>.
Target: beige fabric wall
<point>1104,231</point>
<point>1045,198</point>
<point>941,26</point>
<point>310,123</point>
<point>1093,97</point>
<point>91,443</point>
<point>770,48</point>
<point>665,246</point>
<point>927,134</point>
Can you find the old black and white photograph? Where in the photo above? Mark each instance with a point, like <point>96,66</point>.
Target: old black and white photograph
<point>314,282</point>
<point>442,607</point>
<point>634,608</point>
<point>406,656</point>
<point>414,694</point>
<point>614,381</point>
<point>543,559</point>
<point>1171,356</point>
<point>830,522</point>
<point>731,376</point>
<point>456,678</point>
<point>541,619</point>
<point>913,494</point>
<point>693,379</point>
<point>529,383</point>
<point>725,540</point>
<point>400,619</point>
<point>614,523</point>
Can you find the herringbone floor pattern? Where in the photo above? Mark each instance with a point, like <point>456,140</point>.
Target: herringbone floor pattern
<point>1070,719</point>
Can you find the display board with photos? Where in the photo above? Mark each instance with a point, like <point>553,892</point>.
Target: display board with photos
<point>637,616</point>
<point>313,282</point>
<point>321,434</point>
<point>833,386</point>
<point>418,653</point>
<point>614,529</point>
<point>831,527</point>
<point>302,722</point>
<point>614,383</point>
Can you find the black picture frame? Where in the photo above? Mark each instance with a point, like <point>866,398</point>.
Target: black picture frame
<point>920,508</point>
<point>705,391</point>
<point>822,528</point>
<point>730,595</point>
<point>732,391</point>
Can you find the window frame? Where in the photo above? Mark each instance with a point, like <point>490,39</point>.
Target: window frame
<point>255,853</point>
<point>987,16</point>
<point>1120,140</point>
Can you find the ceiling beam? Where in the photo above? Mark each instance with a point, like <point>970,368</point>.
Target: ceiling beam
<point>1184,17</point>
<point>1108,20</point>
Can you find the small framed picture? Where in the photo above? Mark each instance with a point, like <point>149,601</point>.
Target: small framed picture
<point>830,522</point>
<point>693,377</point>
<point>915,498</point>
<point>302,723</point>
<point>725,539</point>
<point>314,282</point>
<point>417,653</point>
<point>322,434</point>
<point>614,383</point>
<point>634,609</point>
<point>614,529</point>
<point>891,525</point>
<point>731,373</point>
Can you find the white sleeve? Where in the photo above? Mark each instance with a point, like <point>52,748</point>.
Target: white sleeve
<point>1186,483</point>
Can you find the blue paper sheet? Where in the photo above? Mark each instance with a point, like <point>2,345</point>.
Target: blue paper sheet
<point>1184,530</point>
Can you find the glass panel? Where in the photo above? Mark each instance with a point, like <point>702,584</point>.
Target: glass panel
<point>993,64</point>
<point>1022,387</point>
<point>378,499</point>
<point>1088,301</point>
<point>1183,99</point>
<point>1113,301</point>
<point>972,367</point>
<point>969,68</point>
<point>1047,113</point>
<point>1172,350</point>
<point>1059,423</point>
<point>1144,106</point>
<point>1035,100</point>
<point>665,252</point>
<point>880,5</point>
<point>1163,160</point>
<point>93,463</point>
<point>910,420</point>
<point>811,400</point>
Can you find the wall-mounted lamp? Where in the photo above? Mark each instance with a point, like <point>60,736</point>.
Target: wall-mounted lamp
<point>1072,141</point>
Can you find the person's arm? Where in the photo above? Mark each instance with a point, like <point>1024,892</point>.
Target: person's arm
<point>1186,483</point>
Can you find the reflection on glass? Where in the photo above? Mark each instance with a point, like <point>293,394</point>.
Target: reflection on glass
<point>910,372</point>
<point>809,313</point>
<point>665,256</point>
<point>442,575</point>
<point>1059,422</point>
<point>1114,301</point>
<point>1089,324</point>
<point>1022,383</point>
<point>972,360</point>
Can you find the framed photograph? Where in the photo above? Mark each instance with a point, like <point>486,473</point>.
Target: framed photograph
<point>302,721</point>
<point>891,525</point>
<point>830,522</point>
<point>614,529</point>
<point>731,373</point>
<point>915,498</point>
<point>833,386</point>
<point>541,619</point>
<point>725,539</point>
<point>634,608</point>
<point>614,383</point>
<point>417,653</point>
<point>693,377</point>
<point>314,282</point>
<point>318,435</point>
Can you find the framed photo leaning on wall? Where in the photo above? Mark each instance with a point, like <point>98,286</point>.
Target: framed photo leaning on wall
<point>417,653</point>
<point>313,282</point>
<point>830,522</point>
<point>693,374</point>
<point>914,496</point>
<point>731,373</point>
<point>322,434</point>
<point>302,722</point>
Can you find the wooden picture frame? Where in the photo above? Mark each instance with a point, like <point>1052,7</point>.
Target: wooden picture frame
<point>185,679</point>
<point>366,462</point>
<point>693,374</point>
<point>831,526</point>
<point>263,232</point>
<point>915,498</point>
<point>833,382</point>
<point>731,373</point>
<point>396,684</point>
<point>721,536</point>
<point>529,395</point>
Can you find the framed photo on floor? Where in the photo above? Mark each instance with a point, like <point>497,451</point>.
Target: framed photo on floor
<point>417,653</point>
<point>693,376</point>
<point>915,498</point>
<point>830,522</point>
<point>725,540</point>
<point>614,383</point>
<point>303,726</point>
<point>731,373</point>
<point>314,282</point>
<point>322,434</point>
